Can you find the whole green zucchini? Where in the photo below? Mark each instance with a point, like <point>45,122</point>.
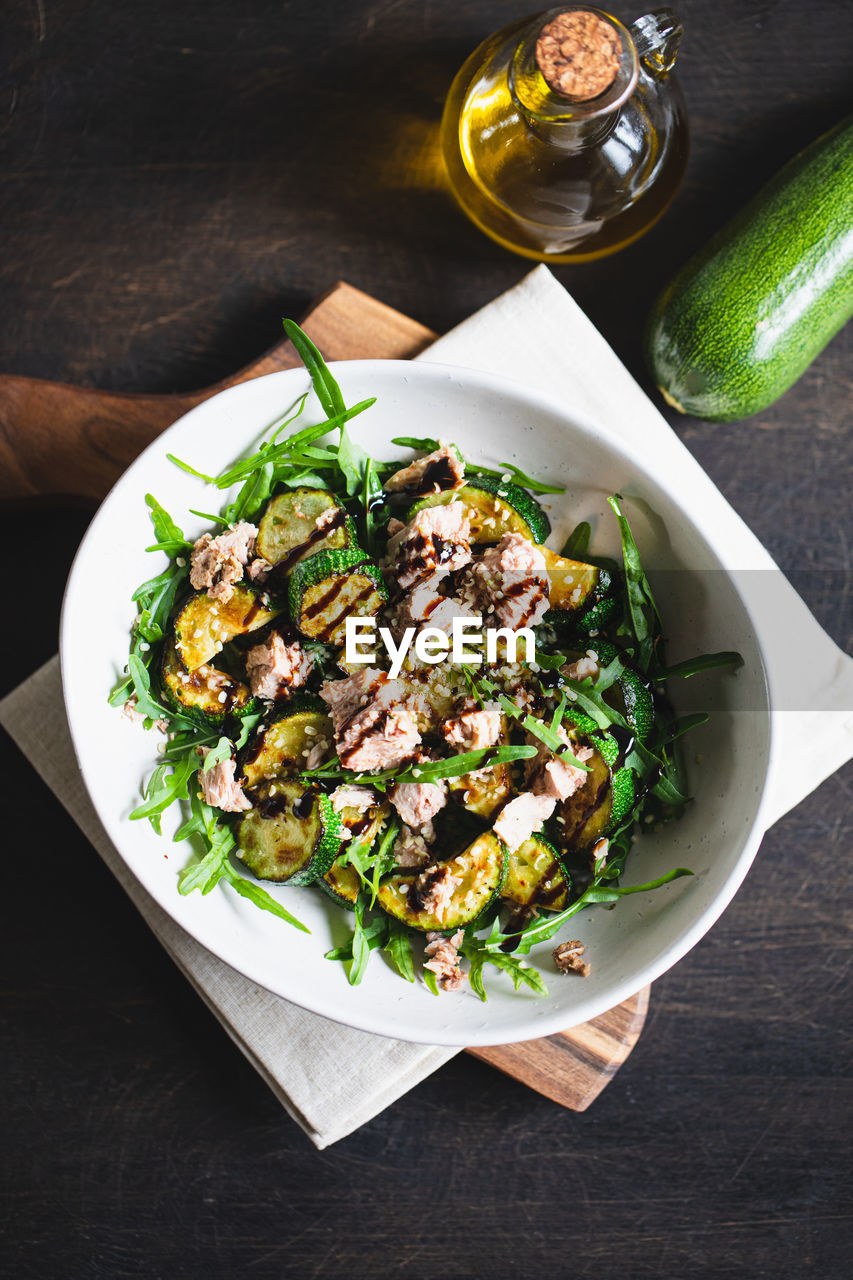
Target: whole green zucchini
<point>747,315</point>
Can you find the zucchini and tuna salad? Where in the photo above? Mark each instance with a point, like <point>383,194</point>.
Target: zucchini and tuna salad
<point>462,812</point>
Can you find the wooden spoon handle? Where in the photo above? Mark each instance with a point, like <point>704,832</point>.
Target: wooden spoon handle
<point>59,440</point>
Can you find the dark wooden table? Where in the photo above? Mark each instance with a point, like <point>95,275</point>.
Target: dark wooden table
<point>175,178</point>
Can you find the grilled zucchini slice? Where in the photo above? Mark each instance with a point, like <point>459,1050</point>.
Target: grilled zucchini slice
<point>213,693</point>
<point>331,586</point>
<point>288,530</point>
<point>630,695</point>
<point>292,834</point>
<point>343,883</point>
<point>536,877</point>
<point>582,596</point>
<point>203,625</point>
<point>484,791</point>
<point>279,749</point>
<point>607,796</point>
<point>481,869</point>
<point>494,507</point>
<point>586,815</point>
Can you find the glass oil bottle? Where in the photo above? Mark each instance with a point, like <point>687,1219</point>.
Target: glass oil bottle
<point>565,136</point>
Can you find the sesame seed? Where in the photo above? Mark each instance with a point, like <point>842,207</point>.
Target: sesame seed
<point>180,562</point>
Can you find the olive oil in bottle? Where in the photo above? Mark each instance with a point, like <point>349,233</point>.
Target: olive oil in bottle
<point>565,136</point>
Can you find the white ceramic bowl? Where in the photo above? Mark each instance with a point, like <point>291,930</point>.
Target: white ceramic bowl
<point>493,421</point>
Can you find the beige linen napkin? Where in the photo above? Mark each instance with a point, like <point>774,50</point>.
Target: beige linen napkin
<point>332,1079</point>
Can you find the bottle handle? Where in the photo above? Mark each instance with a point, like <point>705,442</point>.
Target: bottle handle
<point>657,36</point>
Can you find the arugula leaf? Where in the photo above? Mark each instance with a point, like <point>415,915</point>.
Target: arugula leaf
<point>431,981</point>
<point>668,792</point>
<point>206,515</point>
<point>640,602</point>
<point>509,472</point>
<point>608,675</point>
<point>465,762</point>
<point>541,930</point>
<point>203,875</point>
<point>591,701</point>
<point>371,861</point>
<point>249,721</point>
<point>528,482</point>
<point>256,894</point>
<point>191,471</point>
<point>293,448</point>
<point>360,947</point>
<point>325,387</point>
<point>146,704</point>
<point>399,947</point>
<point>353,462</point>
<point>577,543</point>
<point>424,443</point>
<point>167,532</point>
<point>121,691</point>
<point>372,491</point>
<point>217,755</point>
<point>482,951</point>
<point>703,662</point>
<point>163,787</point>
<point>254,492</point>
<point>680,726</point>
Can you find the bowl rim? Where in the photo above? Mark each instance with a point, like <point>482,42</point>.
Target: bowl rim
<point>389,1025</point>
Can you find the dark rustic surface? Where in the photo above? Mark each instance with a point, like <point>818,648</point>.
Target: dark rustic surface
<point>175,177</point>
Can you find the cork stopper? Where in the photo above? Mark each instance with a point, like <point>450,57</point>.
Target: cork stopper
<point>579,54</point>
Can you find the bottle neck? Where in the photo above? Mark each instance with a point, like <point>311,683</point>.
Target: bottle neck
<point>556,118</point>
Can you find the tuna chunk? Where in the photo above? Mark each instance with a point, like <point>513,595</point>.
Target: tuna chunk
<point>220,789</point>
<point>258,569</point>
<point>580,670</point>
<point>548,775</point>
<point>418,802</point>
<point>560,778</point>
<point>567,958</point>
<point>433,889</point>
<point>359,798</point>
<point>474,730</point>
<point>443,469</point>
<point>513,579</point>
<point>276,667</point>
<point>374,728</point>
<point>346,697</point>
<point>437,538</point>
<point>378,741</point>
<point>217,563</point>
<point>517,821</point>
<point>136,717</point>
<point>420,604</point>
<point>410,850</point>
<point>444,615</point>
<point>444,960</point>
<point>509,581</point>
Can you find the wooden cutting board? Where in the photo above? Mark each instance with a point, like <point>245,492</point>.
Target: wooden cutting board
<point>62,441</point>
